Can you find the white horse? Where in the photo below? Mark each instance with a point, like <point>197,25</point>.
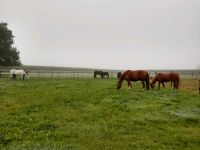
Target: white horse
<point>22,72</point>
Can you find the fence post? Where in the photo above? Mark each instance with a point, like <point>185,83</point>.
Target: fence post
<point>199,76</point>
<point>199,86</point>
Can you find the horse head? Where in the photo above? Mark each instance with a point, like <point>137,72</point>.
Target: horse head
<point>25,71</point>
<point>152,85</point>
<point>119,84</point>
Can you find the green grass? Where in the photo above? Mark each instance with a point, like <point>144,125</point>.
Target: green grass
<point>92,114</point>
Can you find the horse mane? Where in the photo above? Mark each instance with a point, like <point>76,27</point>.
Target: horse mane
<point>122,76</point>
<point>25,70</point>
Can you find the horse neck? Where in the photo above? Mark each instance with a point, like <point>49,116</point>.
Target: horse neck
<point>121,79</point>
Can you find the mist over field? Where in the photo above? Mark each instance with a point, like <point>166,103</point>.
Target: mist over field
<point>71,87</point>
<point>106,34</point>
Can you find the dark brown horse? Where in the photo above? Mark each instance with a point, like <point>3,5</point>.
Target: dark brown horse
<point>101,73</point>
<point>138,75</point>
<point>166,77</point>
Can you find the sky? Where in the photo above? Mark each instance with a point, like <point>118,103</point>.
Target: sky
<point>108,34</point>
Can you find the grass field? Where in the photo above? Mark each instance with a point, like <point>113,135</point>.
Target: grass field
<point>92,114</point>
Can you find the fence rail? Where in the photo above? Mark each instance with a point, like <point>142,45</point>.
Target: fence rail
<point>57,74</point>
<point>34,74</point>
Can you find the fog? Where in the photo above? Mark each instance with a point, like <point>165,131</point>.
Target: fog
<point>109,34</point>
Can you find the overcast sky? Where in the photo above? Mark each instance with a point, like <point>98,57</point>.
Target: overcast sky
<point>109,34</point>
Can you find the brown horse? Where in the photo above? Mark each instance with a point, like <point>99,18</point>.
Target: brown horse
<point>138,75</point>
<point>166,77</point>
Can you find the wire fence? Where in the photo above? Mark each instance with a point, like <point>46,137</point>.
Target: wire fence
<point>34,74</point>
<point>193,83</point>
<point>58,74</point>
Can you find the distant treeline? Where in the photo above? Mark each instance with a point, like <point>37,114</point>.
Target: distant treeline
<point>194,72</point>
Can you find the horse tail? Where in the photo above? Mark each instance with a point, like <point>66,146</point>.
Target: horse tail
<point>147,81</point>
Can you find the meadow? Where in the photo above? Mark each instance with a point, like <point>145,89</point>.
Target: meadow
<point>91,114</point>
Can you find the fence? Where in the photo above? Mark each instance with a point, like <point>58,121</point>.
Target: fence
<point>195,76</point>
<point>34,74</point>
<point>58,74</point>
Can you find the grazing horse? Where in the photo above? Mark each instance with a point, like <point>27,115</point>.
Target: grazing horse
<point>22,72</point>
<point>138,75</point>
<point>119,75</point>
<point>166,77</point>
<point>101,73</point>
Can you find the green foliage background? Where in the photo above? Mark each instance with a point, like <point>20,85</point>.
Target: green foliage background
<point>9,55</point>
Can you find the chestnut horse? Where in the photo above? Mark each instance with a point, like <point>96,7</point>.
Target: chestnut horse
<point>166,77</point>
<point>138,75</point>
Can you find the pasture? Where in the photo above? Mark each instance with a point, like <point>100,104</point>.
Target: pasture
<point>91,114</point>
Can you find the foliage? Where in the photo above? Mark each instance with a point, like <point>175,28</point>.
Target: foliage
<point>9,55</point>
<point>92,114</point>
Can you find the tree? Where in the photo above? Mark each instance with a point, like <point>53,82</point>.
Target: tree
<point>9,55</point>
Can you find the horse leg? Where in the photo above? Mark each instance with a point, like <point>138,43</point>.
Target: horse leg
<point>143,84</point>
<point>163,84</point>
<point>158,84</point>
<point>129,84</point>
<point>23,76</point>
<point>175,85</point>
<point>14,76</point>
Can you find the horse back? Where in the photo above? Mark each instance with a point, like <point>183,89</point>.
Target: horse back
<point>136,75</point>
<point>163,77</point>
